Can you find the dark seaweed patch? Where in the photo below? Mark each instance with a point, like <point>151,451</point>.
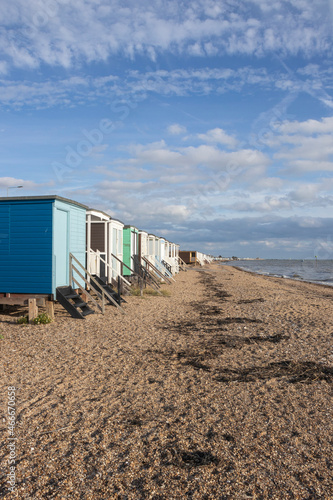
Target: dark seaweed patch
<point>197,365</point>
<point>236,341</point>
<point>171,454</point>
<point>250,301</point>
<point>295,371</point>
<point>198,458</point>
<point>229,321</point>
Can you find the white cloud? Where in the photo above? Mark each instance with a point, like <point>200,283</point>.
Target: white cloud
<point>176,129</point>
<point>135,86</point>
<point>305,193</point>
<point>205,155</point>
<point>60,33</point>
<point>219,136</point>
<point>309,127</point>
<point>304,146</point>
<point>269,204</point>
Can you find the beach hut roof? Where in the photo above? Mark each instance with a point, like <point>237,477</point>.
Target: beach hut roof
<point>94,211</point>
<point>99,213</point>
<point>46,197</point>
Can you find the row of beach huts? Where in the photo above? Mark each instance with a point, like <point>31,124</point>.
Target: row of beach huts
<point>53,248</point>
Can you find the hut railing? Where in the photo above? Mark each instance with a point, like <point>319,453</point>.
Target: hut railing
<point>127,283</point>
<point>101,295</point>
<point>161,267</point>
<point>141,279</point>
<point>156,270</point>
<point>149,277</point>
<point>182,263</point>
<point>167,268</point>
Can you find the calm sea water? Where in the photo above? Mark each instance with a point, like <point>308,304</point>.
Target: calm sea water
<point>320,271</point>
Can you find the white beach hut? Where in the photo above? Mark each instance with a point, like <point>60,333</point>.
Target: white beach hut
<point>104,245</point>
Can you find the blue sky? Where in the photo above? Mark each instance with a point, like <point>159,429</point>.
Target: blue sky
<point>208,122</point>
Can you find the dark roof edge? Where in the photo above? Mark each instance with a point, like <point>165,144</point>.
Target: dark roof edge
<point>45,197</point>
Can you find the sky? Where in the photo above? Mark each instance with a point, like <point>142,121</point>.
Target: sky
<point>207,122</point>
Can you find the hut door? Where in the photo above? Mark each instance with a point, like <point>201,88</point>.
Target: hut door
<point>61,248</point>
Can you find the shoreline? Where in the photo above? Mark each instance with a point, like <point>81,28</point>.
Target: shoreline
<point>280,277</point>
<point>222,390</point>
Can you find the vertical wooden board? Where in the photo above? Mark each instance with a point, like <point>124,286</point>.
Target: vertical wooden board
<point>50,308</point>
<point>33,310</point>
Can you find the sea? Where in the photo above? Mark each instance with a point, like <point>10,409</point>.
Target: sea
<point>313,271</point>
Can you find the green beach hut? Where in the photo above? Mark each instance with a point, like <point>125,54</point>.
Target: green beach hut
<point>130,249</point>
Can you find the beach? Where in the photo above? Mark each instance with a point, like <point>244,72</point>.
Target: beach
<point>222,390</point>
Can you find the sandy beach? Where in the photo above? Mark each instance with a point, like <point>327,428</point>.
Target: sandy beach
<point>223,390</point>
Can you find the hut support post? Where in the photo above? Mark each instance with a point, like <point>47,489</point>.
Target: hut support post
<point>50,308</point>
<point>33,310</point>
<point>120,286</point>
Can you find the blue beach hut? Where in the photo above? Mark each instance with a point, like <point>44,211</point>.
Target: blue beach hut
<point>37,235</point>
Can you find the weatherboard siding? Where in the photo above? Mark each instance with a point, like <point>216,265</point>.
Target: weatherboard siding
<point>36,237</point>
<point>26,247</point>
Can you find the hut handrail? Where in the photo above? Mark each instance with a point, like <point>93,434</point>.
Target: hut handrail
<point>159,273</point>
<point>109,265</point>
<point>152,280</point>
<point>104,293</point>
<point>159,264</point>
<point>181,261</point>
<point>169,275</point>
<point>123,263</point>
<point>86,292</point>
<point>83,290</point>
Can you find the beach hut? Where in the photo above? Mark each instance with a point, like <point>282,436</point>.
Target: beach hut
<point>130,249</point>
<point>151,247</point>
<point>37,236</point>
<point>171,258</point>
<point>176,256</point>
<point>143,246</point>
<point>104,245</point>
<point>97,242</point>
<point>189,257</point>
<point>161,249</point>
<point>116,245</point>
<point>194,257</point>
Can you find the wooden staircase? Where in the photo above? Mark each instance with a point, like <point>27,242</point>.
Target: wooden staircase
<point>156,271</point>
<point>148,278</point>
<point>99,284</point>
<point>182,264</point>
<point>73,302</point>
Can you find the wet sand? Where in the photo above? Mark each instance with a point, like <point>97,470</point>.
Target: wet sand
<point>221,391</point>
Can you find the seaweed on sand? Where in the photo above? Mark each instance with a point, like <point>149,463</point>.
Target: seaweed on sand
<point>295,371</point>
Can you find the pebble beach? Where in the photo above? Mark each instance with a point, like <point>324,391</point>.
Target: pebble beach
<point>222,389</point>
